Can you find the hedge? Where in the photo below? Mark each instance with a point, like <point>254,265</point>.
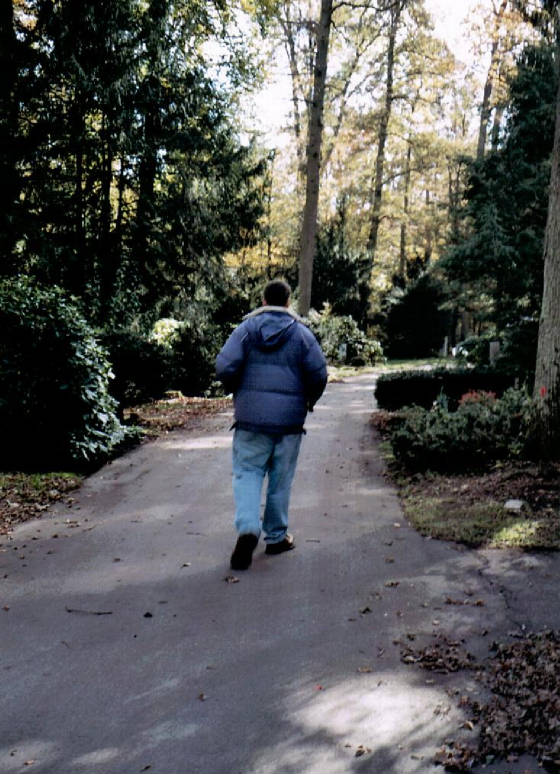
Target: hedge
<point>421,388</point>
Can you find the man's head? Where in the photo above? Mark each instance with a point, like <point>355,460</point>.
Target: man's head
<point>277,293</point>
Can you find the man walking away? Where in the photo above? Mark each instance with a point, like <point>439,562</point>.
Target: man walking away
<point>276,371</point>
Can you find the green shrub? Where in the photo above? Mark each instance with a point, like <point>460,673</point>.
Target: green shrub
<point>193,357</point>
<point>475,351</point>
<point>55,407</point>
<point>141,367</point>
<point>482,429</point>
<point>342,341</point>
<point>421,388</point>
<point>414,321</point>
<point>517,353</point>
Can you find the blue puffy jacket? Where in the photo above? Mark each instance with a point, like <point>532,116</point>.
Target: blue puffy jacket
<point>276,370</point>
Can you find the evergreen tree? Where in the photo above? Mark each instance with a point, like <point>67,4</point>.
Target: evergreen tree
<point>506,200</point>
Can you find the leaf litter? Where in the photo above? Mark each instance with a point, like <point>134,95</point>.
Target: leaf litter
<point>521,715</point>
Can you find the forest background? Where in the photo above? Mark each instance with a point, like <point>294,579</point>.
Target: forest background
<point>143,205</point>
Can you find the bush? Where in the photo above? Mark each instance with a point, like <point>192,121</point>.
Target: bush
<point>475,351</point>
<point>141,367</point>
<point>421,388</point>
<point>415,324</point>
<point>342,341</point>
<point>480,431</point>
<point>55,407</point>
<point>519,351</point>
<point>193,358</point>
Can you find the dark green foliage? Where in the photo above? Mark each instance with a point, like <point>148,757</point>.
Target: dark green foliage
<point>423,388</point>
<point>132,180</point>
<point>476,350</point>
<point>483,429</point>
<point>507,199</point>
<point>55,407</point>
<point>141,367</point>
<point>518,345</point>
<point>193,358</point>
<point>342,341</point>
<point>340,274</point>
<point>414,324</point>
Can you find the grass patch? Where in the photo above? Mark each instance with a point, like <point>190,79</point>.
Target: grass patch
<point>479,524</point>
<point>470,508</point>
<point>413,365</point>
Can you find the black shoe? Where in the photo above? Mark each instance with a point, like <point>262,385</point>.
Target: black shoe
<point>243,552</point>
<point>284,545</point>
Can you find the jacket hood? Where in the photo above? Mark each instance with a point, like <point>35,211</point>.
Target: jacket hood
<point>270,328</point>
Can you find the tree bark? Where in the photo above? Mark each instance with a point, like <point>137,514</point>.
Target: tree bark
<point>485,108</point>
<point>547,375</point>
<point>404,222</point>
<point>309,227</point>
<point>287,25</point>
<point>377,196</point>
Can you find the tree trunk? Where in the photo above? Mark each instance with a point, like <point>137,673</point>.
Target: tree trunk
<point>485,108</point>
<point>497,126</point>
<point>404,222</point>
<point>309,227</point>
<point>428,246</point>
<point>297,90</point>
<point>382,139</point>
<point>547,375</point>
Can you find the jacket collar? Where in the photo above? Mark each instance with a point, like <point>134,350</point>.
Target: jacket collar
<point>266,308</point>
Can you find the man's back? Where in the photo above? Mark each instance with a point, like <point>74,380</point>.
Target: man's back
<point>276,370</point>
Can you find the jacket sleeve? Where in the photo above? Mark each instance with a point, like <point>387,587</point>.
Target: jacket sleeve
<point>231,360</point>
<point>314,370</point>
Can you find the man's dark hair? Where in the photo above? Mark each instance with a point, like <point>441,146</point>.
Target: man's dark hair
<point>277,293</point>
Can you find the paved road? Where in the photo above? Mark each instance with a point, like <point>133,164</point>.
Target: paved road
<point>124,650</point>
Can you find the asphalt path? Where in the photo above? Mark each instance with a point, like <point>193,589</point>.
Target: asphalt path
<point>128,645</point>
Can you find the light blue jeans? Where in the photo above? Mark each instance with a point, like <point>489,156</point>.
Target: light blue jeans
<point>254,456</point>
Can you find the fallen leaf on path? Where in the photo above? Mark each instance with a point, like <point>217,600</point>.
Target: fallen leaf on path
<point>88,612</point>
<point>365,669</point>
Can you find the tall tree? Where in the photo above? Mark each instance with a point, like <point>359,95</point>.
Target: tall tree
<point>547,373</point>
<point>395,12</point>
<point>485,108</point>
<point>309,226</point>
